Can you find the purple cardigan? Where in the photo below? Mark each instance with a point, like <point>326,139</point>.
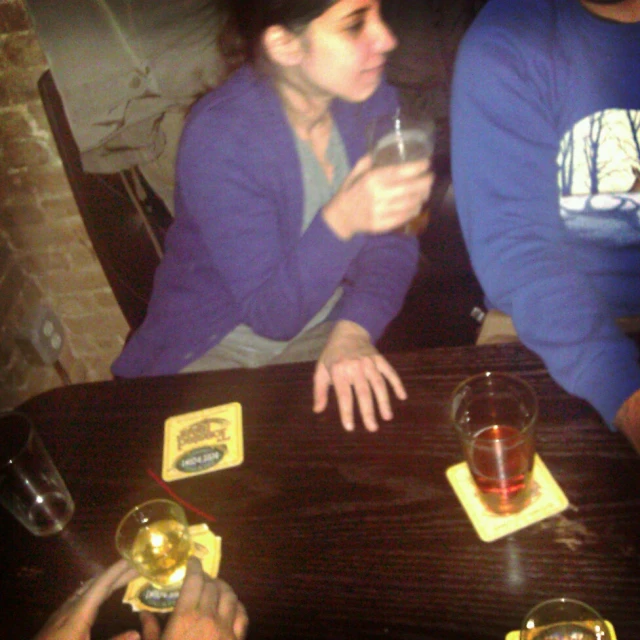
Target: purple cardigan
<point>234,253</point>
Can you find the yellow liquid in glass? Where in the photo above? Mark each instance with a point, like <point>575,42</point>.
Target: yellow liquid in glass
<point>160,552</point>
<point>585,630</point>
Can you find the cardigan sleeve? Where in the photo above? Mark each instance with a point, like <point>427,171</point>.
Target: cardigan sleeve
<point>242,192</point>
<point>377,279</point>
<point>377,282</point>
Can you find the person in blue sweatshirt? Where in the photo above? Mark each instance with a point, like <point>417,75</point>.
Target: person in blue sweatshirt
<point>546,166</point>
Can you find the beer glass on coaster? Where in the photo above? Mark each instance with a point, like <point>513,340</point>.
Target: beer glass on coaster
<point>154,539</point>
<point>31,487</point>
<point>564,619</point>
<point>494,415</point>
<point>398,138</point>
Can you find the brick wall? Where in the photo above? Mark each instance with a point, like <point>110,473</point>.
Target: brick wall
<point>46,257</point>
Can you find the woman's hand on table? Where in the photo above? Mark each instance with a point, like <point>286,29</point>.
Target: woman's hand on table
<point>354,366</point>
<point>74,619</point>
<point>207,609</point>
<point>379,199</point>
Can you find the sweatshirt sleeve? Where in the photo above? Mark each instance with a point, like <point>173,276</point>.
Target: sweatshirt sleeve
<point>504,150</point>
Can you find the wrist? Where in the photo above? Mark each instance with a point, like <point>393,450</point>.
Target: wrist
<point>336,221</point>
<point>350,329</point>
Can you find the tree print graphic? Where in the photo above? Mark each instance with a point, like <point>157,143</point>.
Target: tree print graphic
<point>598,169</point>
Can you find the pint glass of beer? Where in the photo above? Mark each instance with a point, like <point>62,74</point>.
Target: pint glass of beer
<point>494,415</point>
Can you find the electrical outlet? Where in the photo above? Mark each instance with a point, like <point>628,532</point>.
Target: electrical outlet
<point>41,335</point>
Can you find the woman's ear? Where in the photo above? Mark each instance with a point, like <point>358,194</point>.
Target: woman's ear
<point>282,46</point>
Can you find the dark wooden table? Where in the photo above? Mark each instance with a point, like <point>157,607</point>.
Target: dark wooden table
<point>328,534</point>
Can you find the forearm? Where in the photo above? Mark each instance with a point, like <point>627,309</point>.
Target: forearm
<point>289,287</point>
<point>628,419</point>
<point>377,282</point>
<point>578,340</point>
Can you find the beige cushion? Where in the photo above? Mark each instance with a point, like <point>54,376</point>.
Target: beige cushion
<point>497,327</point>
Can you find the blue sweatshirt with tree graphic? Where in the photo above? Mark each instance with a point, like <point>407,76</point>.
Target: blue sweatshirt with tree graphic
<point>546,166</point>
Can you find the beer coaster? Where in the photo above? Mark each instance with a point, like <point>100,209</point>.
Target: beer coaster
<point>143,596</point>
<point>515,635</point>
<point>202,442</point>
<point>547,499</point>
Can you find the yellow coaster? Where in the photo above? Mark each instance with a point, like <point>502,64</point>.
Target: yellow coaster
<point>202,441</point>
<point>515,635</point>
<point>142,595</point>
<point>547,499</point>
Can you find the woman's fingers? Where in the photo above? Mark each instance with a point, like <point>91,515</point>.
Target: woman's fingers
<point>357,371</point>
<point>227,601</point>
<point>392,377</point>
<point>394,202</point>
<point>321,384</point>
<point>361,378</point>
<point>366,380</point>
<point>344,395</point>
<point>378,384</point>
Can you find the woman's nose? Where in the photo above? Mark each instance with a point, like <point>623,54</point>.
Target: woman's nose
<point>385,40</point>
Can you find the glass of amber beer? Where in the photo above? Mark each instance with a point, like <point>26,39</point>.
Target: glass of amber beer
<point>154,539</point>
<point>494,415</point>
<point>563,619</point>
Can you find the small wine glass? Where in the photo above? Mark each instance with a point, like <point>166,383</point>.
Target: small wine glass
<point>154,539</point>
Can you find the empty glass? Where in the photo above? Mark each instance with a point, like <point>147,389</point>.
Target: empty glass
<point>31,487</point>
